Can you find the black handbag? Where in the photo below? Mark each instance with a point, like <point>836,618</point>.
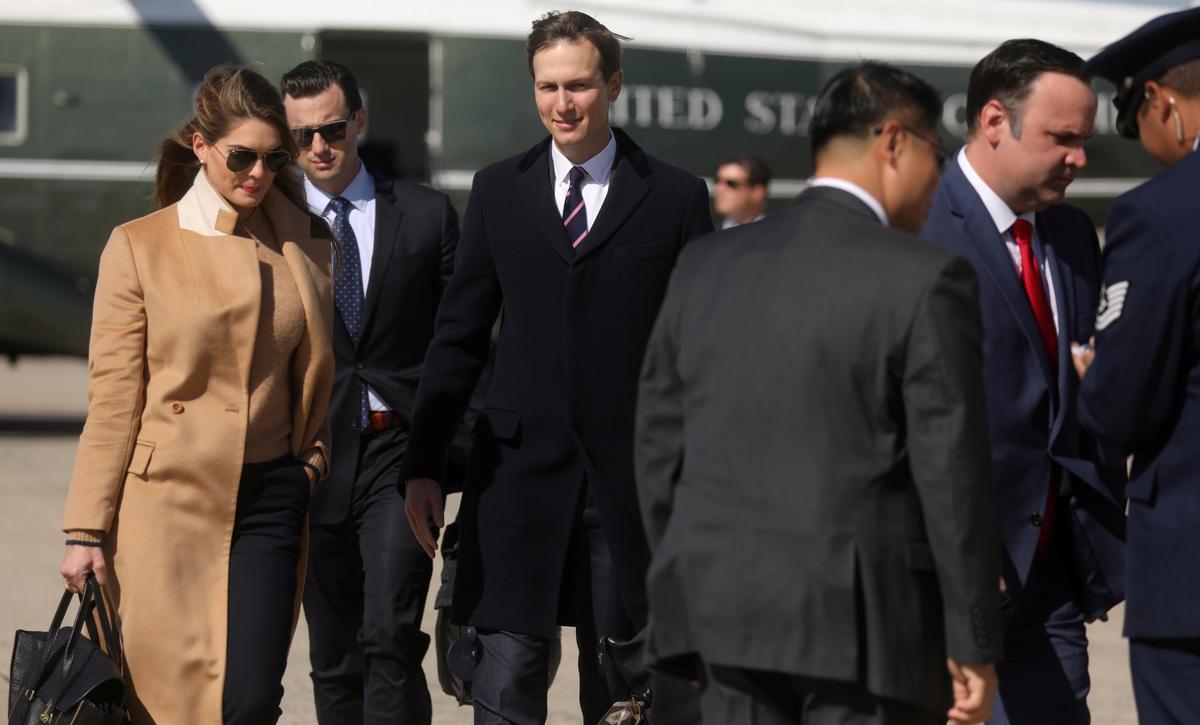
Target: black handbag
<point>59,676</point>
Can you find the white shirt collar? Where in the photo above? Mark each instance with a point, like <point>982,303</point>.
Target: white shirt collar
<point>1002,216</point>
<point>856,190</point>
<point>358,193</point>
<point>598,168</point>
<point>729,222</point>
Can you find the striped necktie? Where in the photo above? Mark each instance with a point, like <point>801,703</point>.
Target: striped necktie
<point>574,212</point>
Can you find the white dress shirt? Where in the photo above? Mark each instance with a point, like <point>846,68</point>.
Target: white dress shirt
<point>595,184</point>
<point>855,189</point>
<point>1003,217</point>
<point>361,195</point>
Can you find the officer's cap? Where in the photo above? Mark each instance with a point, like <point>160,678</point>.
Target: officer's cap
<point>1145,55</point>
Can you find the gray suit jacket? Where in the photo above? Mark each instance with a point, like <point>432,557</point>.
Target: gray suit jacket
<point>812,456</point>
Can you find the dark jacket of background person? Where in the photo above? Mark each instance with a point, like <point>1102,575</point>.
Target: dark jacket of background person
<point>812,456</point>
<point>561,400</point>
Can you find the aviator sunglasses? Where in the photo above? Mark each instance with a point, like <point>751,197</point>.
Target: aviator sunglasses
<point>331,132</point>
<point>241,159</point>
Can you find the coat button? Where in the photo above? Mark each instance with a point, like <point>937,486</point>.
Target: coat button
<point>176,407</point>
<point>1035,519</point>
<point>358,366</point>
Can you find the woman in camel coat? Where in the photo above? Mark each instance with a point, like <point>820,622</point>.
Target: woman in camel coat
<point>210,374</point>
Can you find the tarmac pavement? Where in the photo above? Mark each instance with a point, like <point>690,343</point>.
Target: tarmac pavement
<point>42,405</point>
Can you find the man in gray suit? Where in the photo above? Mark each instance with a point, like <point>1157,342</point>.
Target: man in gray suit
<point>812,454</point>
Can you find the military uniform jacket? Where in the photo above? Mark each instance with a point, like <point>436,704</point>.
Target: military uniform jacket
<point>559,409</point>
<point>1142,394</point>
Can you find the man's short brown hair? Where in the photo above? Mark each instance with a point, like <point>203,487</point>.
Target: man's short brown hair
<point>573,26</point>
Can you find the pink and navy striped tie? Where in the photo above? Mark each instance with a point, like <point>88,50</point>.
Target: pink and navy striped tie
<point>574,213</point>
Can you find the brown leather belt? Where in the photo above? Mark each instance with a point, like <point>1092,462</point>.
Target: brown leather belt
<point>380,420</point>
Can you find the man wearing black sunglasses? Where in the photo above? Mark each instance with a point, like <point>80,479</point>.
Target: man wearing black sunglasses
<point>740,189</point>
<point>367,577</point>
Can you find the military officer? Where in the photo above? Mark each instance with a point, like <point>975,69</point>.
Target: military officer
<point>1141,392</point>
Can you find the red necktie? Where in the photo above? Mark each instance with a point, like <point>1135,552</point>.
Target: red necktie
<point>1031,277</point>
<point>1022,232</point>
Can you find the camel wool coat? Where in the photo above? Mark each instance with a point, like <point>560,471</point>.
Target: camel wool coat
<point>173,331</point>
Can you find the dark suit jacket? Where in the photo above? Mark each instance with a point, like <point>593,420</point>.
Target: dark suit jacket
<point>1031,406</point>
<point>560,406</point>
<point>812,456</point>
<point>416,235</point>
<point>1142,394</point>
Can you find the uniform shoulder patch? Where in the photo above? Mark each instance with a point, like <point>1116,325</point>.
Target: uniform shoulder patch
<point>1112,303</point>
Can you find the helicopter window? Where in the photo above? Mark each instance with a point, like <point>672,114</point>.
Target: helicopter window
<point>13,101</point>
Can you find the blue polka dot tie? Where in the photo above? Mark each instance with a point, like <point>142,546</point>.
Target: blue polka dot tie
<point>347,286</point>
<point>574,213</point>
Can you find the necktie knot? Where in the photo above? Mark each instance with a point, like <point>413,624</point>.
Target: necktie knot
<point>1022,232</point>
<point>576,178</point>
<point>339,205</point>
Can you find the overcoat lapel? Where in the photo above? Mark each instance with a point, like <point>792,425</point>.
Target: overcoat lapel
<point>292,229</point>
<point>228,281</point>
<point>627,188</point>
<point>537,194</point>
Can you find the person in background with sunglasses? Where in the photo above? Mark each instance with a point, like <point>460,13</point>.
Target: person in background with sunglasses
<point>211,365</point>
<point>740,191</point>
<point>367,575</point>
<point>1030,110</point>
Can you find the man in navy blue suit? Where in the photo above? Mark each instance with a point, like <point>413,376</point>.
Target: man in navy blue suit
<point>1142,394</point>
<point>1030,109</point>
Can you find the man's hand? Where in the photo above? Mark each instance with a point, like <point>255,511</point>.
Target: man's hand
<point>974,691</point>
<point>1083,356</point>
<point>78,561</point>
<point>422,501</point>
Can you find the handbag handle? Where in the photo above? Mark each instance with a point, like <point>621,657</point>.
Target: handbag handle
<point>112,640</point>
<point>87,600</point>
<point>61,612</point>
